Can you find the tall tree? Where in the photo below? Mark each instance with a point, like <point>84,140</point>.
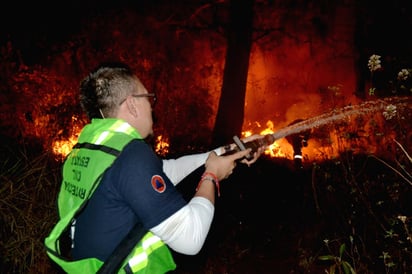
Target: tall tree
<point>229,118</point>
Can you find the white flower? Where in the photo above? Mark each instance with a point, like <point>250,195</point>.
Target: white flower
<point>390,112</point>
<point>374,62</point>
<point>403,74</point>
<point>402,218</point>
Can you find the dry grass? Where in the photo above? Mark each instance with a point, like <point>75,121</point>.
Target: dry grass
<point>353,211</point>
<point>27,207</point>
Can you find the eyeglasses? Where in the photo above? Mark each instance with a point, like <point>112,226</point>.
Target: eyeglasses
<point>152,97</point>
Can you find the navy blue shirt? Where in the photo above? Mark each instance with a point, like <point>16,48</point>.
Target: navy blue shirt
<point>134,189</point>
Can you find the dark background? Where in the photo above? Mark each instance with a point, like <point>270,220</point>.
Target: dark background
<point>271,218</point>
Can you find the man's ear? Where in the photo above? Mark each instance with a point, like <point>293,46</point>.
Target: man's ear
<point>131,105</point>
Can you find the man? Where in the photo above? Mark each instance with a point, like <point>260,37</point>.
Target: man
<point>114,183</point>
<point>298,141</point>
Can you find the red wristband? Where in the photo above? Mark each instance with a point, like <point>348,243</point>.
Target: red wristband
<point>211,177</point>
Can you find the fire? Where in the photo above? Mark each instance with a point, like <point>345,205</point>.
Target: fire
<point>356,129</point>
<point>162,145</point>
<point>280,148</point>
<point>368,128</point>
<point>62,147</point>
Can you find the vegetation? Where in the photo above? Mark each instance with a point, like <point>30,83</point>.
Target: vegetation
<point>348,214</point>
<point>29,185</point>
<point>351,214</point>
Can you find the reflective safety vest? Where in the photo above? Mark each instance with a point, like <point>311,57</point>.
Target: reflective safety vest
<point>98,146</point>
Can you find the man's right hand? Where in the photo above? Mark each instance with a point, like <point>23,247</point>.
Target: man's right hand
<point>222,166</point>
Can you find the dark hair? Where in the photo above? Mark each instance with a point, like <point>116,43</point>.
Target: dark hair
<point>105,87</point>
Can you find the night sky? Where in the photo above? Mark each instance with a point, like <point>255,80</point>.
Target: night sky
<point>35,24</point>
<point>28,24</point>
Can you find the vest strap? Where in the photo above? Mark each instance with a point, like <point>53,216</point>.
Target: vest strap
<point>114,262</point>
<point>103,148</point>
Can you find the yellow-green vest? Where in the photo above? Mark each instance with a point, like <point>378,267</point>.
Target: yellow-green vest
<point>98,146</point>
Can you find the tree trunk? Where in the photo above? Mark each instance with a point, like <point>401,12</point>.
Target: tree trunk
<point>229,118</point>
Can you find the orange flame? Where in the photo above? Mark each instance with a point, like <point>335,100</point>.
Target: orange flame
<point>62,147</point>
<point>280,148</point>
<point>162,145</point>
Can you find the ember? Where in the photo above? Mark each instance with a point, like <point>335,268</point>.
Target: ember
<point>162,145</point>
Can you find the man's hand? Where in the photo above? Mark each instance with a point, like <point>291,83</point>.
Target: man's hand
<point>258,151</point>
<point>255,154</point>
<point>222,166</point>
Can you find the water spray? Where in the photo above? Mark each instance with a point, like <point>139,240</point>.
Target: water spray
<point>368,107</point>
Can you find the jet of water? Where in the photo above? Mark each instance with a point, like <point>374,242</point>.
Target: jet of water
<point>368,107</point>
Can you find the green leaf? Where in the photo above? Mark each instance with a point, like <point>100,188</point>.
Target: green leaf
<point>347,268</point>
<point>326,258</point>
<point>342,249</point>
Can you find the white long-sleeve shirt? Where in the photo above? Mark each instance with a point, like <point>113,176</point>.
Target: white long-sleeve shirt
<point>186,230</point>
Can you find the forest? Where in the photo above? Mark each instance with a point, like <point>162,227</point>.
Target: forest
<point>219,69</point>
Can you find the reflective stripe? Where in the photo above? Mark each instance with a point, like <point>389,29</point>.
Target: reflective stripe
<point>140,259</point>
<point>72,231</point>
<point>121,126</point>
<point>118,126</point>
<point>150,241</point>
<point>125,127</point>
<point>298,157</point>
<point>102,137</point>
